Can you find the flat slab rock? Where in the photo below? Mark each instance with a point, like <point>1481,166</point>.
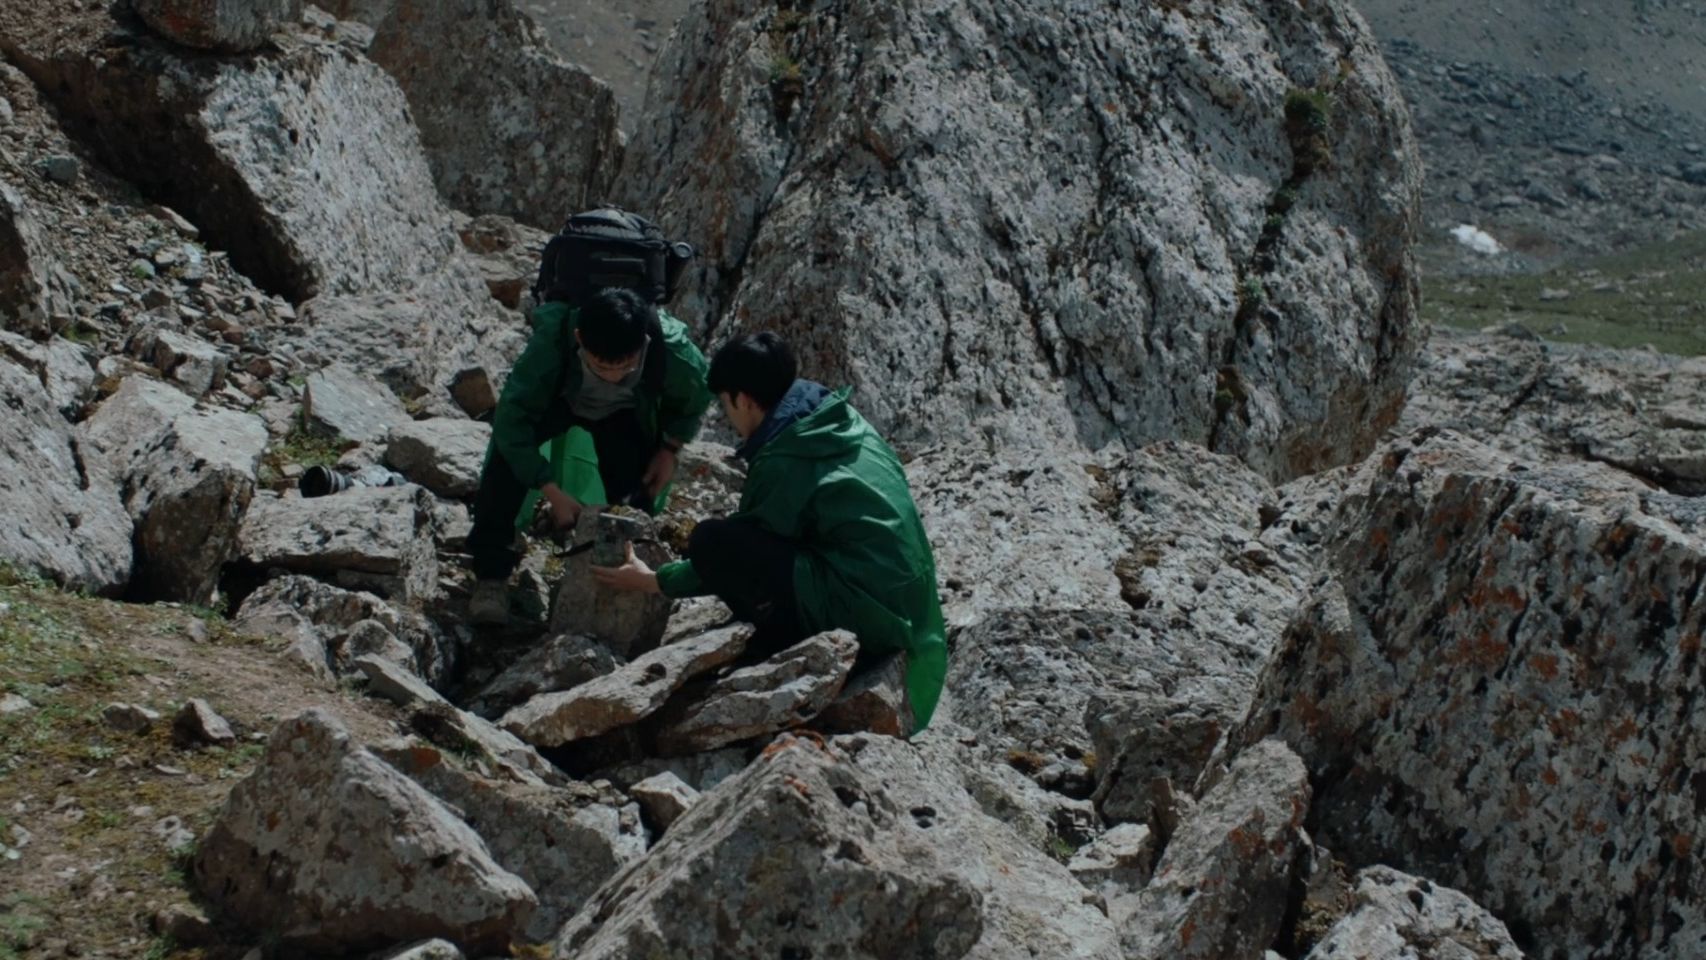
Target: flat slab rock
<point>784,691</point>
<point>630,694</point>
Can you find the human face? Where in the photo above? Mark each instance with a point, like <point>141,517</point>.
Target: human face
<point>606,369</point>
<point>744,414</point>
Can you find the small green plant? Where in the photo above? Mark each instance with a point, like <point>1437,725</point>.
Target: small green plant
<point>160,949</point>
<point>1252,292</point>
<point>784,69</point>
<point>96,751</point>
<point>310,449</point>
<point>1310,111</point>
<point>1060,848</point>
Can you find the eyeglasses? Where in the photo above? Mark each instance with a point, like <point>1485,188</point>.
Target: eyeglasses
<point>618,369</point>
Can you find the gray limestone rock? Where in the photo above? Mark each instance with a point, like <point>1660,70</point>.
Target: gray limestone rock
<point>865,824</point>
<point>318,622</point>
<point>664,797</point>
<point>230,26</point>
<point>338,401</point>
<point>1635,410</point>
<point>188,475</point>
<point>508,126</point>
<point>494,751</point>
<point>1142,738</point>
<point>425,950</point>
<point>395,683</point>
<point>60,520</point>
<point>198,723</point>
<point>630,694</point>
<point>1399,917</point>
<point>874,700</point>
<point>374,538</point>
<point>65,369</point>
<point>29,293</point>
<point>1117,865</point>
<point>559,841</point>
<point>1069,579</point>
<point>339,852</point>
<point>629,624</point>
<point>199,366</point>
<point>129,717</point>
<point>782,692</point>
<point>1222,887</point>
<point>560,663</point>
<point>444,455</point>
<point>1191,247</point>
<point>1495,671</point>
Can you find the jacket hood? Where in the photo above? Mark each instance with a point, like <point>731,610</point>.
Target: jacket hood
<point>808,421</point>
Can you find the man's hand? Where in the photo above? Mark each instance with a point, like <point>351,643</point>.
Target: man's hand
<point>660,472</point>
<point>633,575</point>
<point>565,510</point>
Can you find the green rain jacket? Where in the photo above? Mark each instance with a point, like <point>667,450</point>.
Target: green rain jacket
<point>549,372</point>
<point>829,483</point>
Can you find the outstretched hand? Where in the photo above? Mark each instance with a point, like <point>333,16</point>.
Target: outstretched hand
<point>659,472</point>
<point>633,575</point>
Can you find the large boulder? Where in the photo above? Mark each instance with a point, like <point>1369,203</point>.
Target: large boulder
<point>561,841</point>
<point>366,538</point>
<point>188,475</point>
<point>862,849</point>
<point>508,126</point>
<point>1210,239</point>
<point>337,852</point>
<point>1075,581</point>
<point>63,367</point>
<point>61,519</point>
<point>225,25</point>
<point>1492,688</point>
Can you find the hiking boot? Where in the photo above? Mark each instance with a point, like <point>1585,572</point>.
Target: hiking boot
<point>489,606</point>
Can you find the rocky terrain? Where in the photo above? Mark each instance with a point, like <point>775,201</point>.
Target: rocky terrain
<point>1278,627</point>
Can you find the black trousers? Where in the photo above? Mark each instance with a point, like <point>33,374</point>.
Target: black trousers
<point>751,570</point>
<point>624,452</point>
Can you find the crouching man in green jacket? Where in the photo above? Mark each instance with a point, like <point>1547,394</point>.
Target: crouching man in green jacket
<point>827,535</point>
<point>617,367</point>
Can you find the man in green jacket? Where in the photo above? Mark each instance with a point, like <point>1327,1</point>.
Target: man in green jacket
<point>619,368</point>
<point>827,535</point>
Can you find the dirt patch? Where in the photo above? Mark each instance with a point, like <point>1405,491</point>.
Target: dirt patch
<point>90,854</point>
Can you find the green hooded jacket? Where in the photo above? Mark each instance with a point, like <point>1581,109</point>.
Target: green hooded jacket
<point>830,483</point>
<point>549,372</point>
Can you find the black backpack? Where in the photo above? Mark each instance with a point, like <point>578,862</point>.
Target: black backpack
<point>609,247</point>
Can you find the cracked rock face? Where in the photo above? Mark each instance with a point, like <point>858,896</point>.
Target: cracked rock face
<point>1640,412</point>
<point>508,126</point>
<point>868,825</point>
<point>1194,247</point>
<point>60,518</point>
<point>1493,687</point>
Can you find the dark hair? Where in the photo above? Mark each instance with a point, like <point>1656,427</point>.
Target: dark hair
<point>759,365</point>
<point>614,322</point>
